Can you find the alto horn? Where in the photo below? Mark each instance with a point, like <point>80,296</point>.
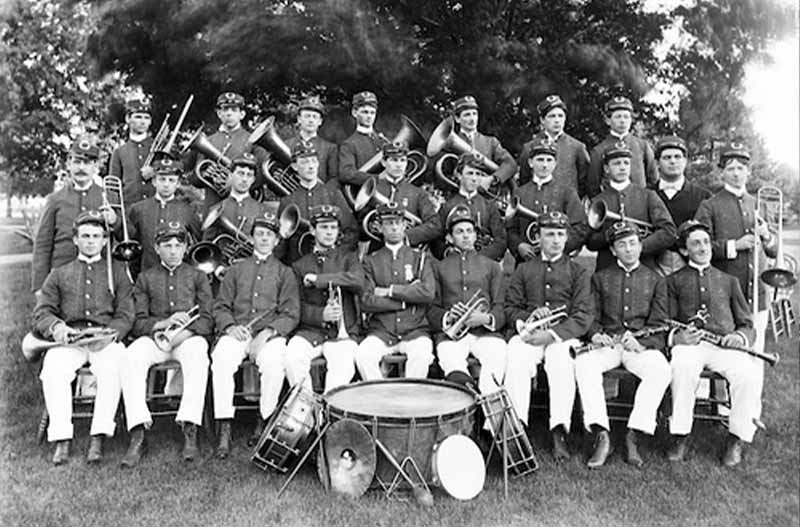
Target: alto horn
<point>290,221</point>
<point>599,213</point>
<point>200,143</point>
<point>516,207</point>
<point>212,257</point>
<point>286,180</point>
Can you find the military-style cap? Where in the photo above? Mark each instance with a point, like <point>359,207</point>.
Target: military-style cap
<point>733,151</point>
<point>319,213</point>
<point>469,159</point>
<point>553,220</point>
<point>89,217</point>
<point>138,105</point>
<point>268,220</point>
<point>618,103</point>
<point>394,149</point>
<point>365,98</point>
<point>466,102</point>
<point>228,99</point>
<point>173,229</point>
<point>312,103</point>
<point>245,160</point>
<point>458,214</point>
<point>166,165</point>
<point>84,148</point>
<point>390,210</point>
<point>670,141</point>
<point>550,102</point>
<point>618,149</point>
<point>543,147</point>
<point>687,227</point>
<point>300,150</point>
<point>621,229</point>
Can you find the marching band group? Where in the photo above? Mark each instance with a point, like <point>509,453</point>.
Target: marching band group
<point>357,262</point>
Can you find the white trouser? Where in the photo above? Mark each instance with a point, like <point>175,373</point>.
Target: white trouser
<point>743,372</point>
<point>339,354</point>
<point>59,369</point>
<point>560,369</point>
<point>228,354</point>
<point>760,322</point>
<point>419,354</point>
<point>192,354</point>
<point>489,350</point>
<point>649,365</point>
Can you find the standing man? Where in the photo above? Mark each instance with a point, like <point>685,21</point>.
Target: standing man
<point>127,160</point>
<point>619,118</point>
<point>572,157</point>
<point>399,287</point>
<point>363,144</point>
<point>331,277</point>
<point>310,115</point>
<point>255,311</point>
<point>74,297</point>
<point>548,281</point>
<point>682,197</point>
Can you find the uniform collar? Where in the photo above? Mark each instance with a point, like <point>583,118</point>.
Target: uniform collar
<point>365,130</point>
<point>632,269</point>
<point>677,185</point>
<point>699,268</point>
<point>260,258</point>
<point>225,130</point>
<point>552,260</point>
<point>555,138</point>
<point>137,138</point>
<point>84,189</point>
<point>466,194</point>
<point>541,182</point>
<point>619,187</point>
<point>303,139</point>
<point>306,186</point>
<point>738,192</point>
<point>394,247</point>
<point>238,198</point>
<point>621,137</point>
<point>163,201</point>
<point>168,268</point>
<point>389,179</point>
<point>94,259</point>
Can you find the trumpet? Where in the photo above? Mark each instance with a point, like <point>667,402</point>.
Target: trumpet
<point>599,213</point>
<point>770,358</point>
<point>574,351</point>
<point>165,339</point>
<point>126,250</point>
<point>92,339</point>
<point>457,316</point>
<point>286,180</point>
<point>536,321</point>
<point>335,299</point>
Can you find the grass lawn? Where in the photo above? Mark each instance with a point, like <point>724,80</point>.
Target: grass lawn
<point>13,243</point>
<point>166,492</point>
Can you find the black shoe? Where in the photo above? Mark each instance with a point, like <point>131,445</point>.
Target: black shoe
<point>632,449</point>
<point>224,445</point>
<point>733,454</point>
<point>560,449</point>
<point>602,449</point>
<point>61,454</point>
<point>257,432</point>
<point>190,450</point>
<point>679,449</point>
<point>135,448</point>
<point>95,454</point>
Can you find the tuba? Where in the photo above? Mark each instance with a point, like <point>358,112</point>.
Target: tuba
<point>214,171</point>
<point>286,180</point>
<point>599,213</point>
<point>457,316</point>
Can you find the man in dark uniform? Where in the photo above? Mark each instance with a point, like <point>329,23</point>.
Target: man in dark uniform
<point>634,202</point>
<point>399,287</point>
<point>310,115</point>
<point>54,245</point>
<point>78,296</point>
<point>239,208</point>
<point>363,144</point>
<point>163,297</point>
<point>331,277</point>
<point>701,287</point>
<point>682,197</point>
<point>572,158</point>
<point>544,193</point>
<point>628,297</point>
<point>619,117</point>
<point>549,281</point>
<point>127,160</point>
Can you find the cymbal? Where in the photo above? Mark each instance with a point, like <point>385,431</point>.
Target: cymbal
<point>346,459</point>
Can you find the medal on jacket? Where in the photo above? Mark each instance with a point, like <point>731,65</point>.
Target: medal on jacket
<point>409,273</point>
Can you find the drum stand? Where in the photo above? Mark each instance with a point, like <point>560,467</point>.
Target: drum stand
<point>422,493</point>
<point>320,433</point>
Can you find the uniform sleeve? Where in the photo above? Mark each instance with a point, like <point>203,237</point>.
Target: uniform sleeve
<point>123,318</point>
<point>581,309</point>
<point>422,289</point>
<point>741,312</point>
<point>332,163</point>
<point>310,314</point>
<point>650,167</point>
<point>43,244</point>
<point>141,300</point>
<point>348,171</point>
<point>497,291</point>
<point>430,228</point>
<point>351,278</point>
<point>223,306</point>
<point>288,309</point>
<point>437,309</point>
<point>203,297</point>
<point>594,175</point>
<point>48,305</point>
<point>115,164</point>
<point>659,313</point>
<point>497,230</point>
<point>371,303</point>
<point>515,301</point>
<point>578,227</point>
<point>349,231</point>
<point>582,162</point>
<point>597,303</point>
<point>524,168</point>
<point>665,233</point>
<point>705,215</point>
<point>501,156</point>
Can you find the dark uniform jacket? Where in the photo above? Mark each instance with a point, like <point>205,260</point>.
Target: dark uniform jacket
<point>640,204</point>
<point>354,152</point>
<point>159,292</point>
<point>629,301</point>
<point>490,224</point>
<point>401,316</point>
<point>730,218</point>
<point>416,201</point>
<point>53,245</point>
<point>126,164</point>
<point>644,172</point>
<point>240,213</point>
<point>327,153</point>
<point>490,146</point>
<point>339,268</point>
<point>253,287</point>
<point>714,291</point>
<point>458,277</point>
<point>685,202</point>
<point>319,194</point>
<point>536,283</point>
<point>77,294</point>
<point>572,161</point>
<point>552,196</point>
<point>146,217</point>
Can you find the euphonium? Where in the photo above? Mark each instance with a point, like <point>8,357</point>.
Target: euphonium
<point>285,180</point>
<point>534,321</point>
<point>458,328</point>
<point>214,171</point>
<point>165,338</point>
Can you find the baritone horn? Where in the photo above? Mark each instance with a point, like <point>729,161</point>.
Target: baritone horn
<point>127,249</point>
<point>286,180</point>
<point>213,171</point>
<point>599,213</point>
<point>458,315</point>
<point>215,256</point>
<point>369,196</point>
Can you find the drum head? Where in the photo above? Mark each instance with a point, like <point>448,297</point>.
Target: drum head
<point>458,467</point>
<point>346,459</point>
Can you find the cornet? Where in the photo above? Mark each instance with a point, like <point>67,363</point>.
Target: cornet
<point>535,322</point>
<point>165,339</point>
<point>335,299</point>
<point>457,316</point>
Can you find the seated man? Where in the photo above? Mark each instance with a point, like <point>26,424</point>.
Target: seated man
<point>330,279</point>
<point>628,299</point>
<point>79,295</point>
<point>548,281</point>
<point>163,296</point>
<point>697,288</point>
<point>399,286</point>
<point>458,277</point>
<point>257,307</point>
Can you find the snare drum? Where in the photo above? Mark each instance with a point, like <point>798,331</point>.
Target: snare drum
<point>408,416</point>
<point>288,435</point>
<point>500,414</point>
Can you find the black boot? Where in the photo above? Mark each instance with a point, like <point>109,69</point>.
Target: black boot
<point>257,432</point>
<point>135,448</point>
<point>224,445</point>
<point>560,449</point>
<point>632,448</point>
<point>95,454</point>
<point>602,449</point>
<point>679,448</point>
<point>190,450</point>
<point>733,454</point>
<point>61,454</point>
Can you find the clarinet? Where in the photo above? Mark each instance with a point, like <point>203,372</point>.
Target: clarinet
<point>770,358</point>
<point>574,351</point>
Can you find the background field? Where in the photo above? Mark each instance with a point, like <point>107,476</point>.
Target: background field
<point>166,492</point>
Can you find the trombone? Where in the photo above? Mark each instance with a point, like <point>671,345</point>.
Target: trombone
<point>159,142</point>
<point>127,249</point>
